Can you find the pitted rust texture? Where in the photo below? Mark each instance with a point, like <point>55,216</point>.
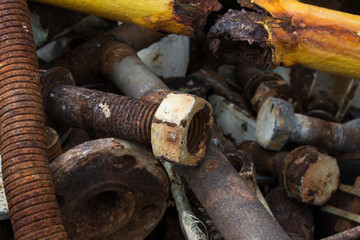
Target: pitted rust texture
<point>108,113</point>
<point>178,129</point>
<point>231,35</point>
<point>305,174</point>
<point>28,184</point>
<point>294,217</point>
<point>53,143</point>
<point>194,13</point>
<point>240,26</point>
<point>235,210</point>
<point>110,189</point>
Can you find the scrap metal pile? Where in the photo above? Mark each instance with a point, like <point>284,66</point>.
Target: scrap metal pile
<point>179,119</point>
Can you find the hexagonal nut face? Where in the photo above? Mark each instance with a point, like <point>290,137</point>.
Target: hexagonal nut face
<point>181,129</point>
<point>274,123</point>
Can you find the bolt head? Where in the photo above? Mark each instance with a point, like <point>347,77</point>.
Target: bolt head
<point>310,176</point>
<point>274,123</point>
<point>181,129</point>
<point>275,88</point>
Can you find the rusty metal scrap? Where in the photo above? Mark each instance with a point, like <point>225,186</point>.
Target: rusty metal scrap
<point>277,123</point>
<point>305,173</point>
<point>235,210</point>
<point>27,181</point>
<point>108,188</point>
<point>66,115</point>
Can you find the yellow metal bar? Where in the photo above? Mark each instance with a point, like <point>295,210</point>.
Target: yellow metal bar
<point>173,16</point>
<point>314,37</point>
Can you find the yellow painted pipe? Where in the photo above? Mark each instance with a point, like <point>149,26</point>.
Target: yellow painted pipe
<point>314,37</point>
<point>172,16</point>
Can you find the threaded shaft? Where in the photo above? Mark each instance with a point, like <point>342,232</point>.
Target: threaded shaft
<point>107,113</point>
<point>346,139</point>
<point>27,180</point>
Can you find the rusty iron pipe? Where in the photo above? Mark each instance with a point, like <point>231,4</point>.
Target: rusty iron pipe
<point>27,180</point>
<point>235,210</point>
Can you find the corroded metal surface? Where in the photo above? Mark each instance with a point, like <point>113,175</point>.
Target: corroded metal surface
<point>277,124</point>
<point>28,184</point>
<point>295,218</point>
<point>108,113</point>
<point>181,129</point>
<point>305,173</point>
<point>53,143</point>
<point>110,189</point>
<point>235,210</point>
<point>161,126</point>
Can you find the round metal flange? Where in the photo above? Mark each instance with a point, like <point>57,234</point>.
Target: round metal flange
<point>110,189</point>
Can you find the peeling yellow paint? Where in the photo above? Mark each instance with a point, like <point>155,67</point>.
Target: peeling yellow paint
<point>153,14</point>
<point>314,37</point>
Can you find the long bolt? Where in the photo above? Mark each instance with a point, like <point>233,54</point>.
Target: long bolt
<point>132,119</point>
<point>277,124</point>
<point>306,174</point>
<point>27,180</point>
<point>111,114</point>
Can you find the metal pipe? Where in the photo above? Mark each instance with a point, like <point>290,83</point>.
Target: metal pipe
<point>235,210</point>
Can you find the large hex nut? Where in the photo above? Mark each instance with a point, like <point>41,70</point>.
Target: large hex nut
<point>181,129</point>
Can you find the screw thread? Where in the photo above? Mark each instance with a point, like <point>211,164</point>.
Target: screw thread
<point>346,139</point>
<point>27,180</point>
<point>110,114</point>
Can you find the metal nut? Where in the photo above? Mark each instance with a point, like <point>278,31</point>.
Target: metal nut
<point>181,129</point>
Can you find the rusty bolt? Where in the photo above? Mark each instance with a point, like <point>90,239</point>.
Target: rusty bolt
<point>178,129</point>
<point>306,174</point>
<point>277,124</point>
<point>266,89</point>
<point>27,180</point>
<point>110,189</point>
<point>259,85</point>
